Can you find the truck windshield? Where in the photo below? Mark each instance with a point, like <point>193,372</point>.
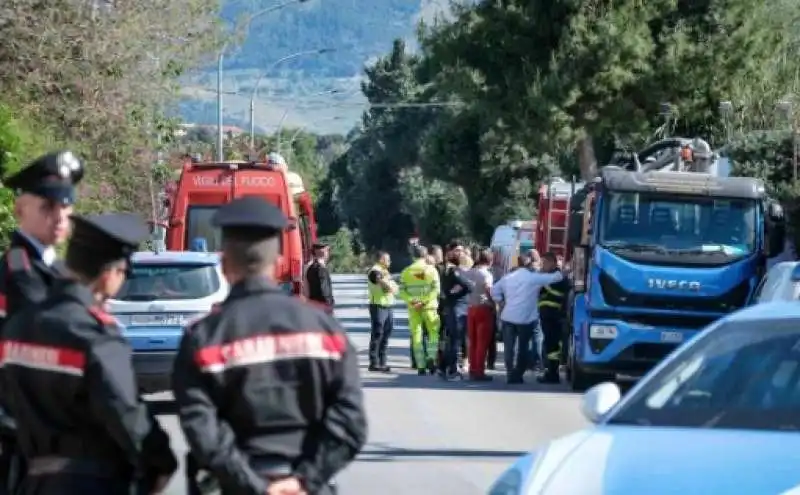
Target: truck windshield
<point>199,226</point>
<point>655,223</point>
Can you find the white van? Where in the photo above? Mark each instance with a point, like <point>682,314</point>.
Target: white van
<point>507,243</point>
<point>781,283</point>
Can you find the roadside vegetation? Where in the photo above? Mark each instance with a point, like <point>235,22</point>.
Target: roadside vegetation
<point>532,90</point>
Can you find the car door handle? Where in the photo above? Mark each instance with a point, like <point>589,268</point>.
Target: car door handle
<point>157,341</point>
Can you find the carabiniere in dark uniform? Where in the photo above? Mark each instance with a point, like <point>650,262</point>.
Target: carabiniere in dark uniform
<point>267,385</point>
<point>68,380</point>
<point>28,268</point>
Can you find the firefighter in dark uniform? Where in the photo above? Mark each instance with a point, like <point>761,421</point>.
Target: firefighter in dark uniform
<point>551,316</point>
<point>45,192</point>
<point>267,385</point>
<point>68,379</point>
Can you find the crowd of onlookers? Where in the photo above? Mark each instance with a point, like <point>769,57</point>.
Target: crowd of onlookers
<point>523,308</point>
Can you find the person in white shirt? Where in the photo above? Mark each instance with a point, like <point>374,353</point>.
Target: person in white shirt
<point>519,293</point>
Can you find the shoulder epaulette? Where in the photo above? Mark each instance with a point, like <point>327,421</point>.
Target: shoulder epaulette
<point>17,260</point>
<point>102,317</point>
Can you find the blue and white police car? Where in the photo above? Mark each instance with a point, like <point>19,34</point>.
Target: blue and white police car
<point>721,415</point>
<point>165,291</point>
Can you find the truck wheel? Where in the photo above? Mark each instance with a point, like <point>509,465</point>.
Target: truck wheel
<point>581,381</point>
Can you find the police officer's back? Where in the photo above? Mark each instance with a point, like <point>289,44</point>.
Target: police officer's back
<point>45,192</point>
<point>267,385</point>
<point>68,380</point>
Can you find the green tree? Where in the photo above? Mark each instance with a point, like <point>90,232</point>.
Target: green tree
<point>21,140</point>
<point>769,156</point>
<point>546,76</point>
<point>343,258</point>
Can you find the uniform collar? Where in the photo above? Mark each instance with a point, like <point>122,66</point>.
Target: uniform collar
<point>76,290</point>
<point>250,285</point>
<point>46,253</point>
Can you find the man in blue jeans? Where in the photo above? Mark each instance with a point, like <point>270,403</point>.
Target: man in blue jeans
<point>518,292</point>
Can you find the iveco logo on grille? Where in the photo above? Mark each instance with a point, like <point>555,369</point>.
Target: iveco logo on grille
<point>660,283</point>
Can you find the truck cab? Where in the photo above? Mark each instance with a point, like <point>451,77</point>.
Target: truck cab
<point>204,187</point>
<point>661,247</point>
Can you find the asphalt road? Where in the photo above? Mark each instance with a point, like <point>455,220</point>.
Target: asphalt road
<point>431,436</point>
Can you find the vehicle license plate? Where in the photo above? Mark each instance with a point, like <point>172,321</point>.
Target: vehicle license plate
<point>672,337</point>
<point>157,319</point>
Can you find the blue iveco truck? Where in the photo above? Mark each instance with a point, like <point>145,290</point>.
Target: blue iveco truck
<point>660,247</point>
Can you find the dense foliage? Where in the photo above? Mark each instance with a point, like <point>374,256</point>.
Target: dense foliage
<point>95,77</point>
<point>531,89</point>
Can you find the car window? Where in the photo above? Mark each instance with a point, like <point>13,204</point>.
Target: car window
<point>151,282</point>
<point>743,375</point>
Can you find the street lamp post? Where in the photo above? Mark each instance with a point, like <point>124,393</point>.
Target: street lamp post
<point>221,60</point>
<point>275,64</point>
<point>788,110</point>
<point>726,111</point>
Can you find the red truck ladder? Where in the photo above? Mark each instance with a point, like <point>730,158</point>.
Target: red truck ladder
<point>558,198</point>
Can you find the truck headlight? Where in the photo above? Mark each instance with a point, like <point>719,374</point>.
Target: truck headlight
<point>602,332</point>
<point>510,483</point>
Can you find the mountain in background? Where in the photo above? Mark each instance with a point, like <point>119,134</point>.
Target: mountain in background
<point>319,92</point>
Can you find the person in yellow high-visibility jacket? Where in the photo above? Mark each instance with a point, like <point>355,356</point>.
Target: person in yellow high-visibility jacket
<point>419,288</point>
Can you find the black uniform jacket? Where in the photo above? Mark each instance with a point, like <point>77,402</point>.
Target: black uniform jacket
<point>320,287</point>
<point>267,382</point>
<point>24,277</point>
<point>67,378</point>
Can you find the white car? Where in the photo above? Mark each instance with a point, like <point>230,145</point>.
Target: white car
<point>720,415</point>
<point>781,283</point>
<point>165,291</point>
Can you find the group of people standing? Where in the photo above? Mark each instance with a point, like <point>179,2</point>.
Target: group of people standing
<point>267,386</point>
<point>453,307</point>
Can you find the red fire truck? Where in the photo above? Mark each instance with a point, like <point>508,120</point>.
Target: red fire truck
<point>554,212</point>
<point>205,186</point>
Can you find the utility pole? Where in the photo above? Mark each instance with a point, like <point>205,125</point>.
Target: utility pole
<point>261,77</point>
<point>787,107</point>
<point>220,67</point>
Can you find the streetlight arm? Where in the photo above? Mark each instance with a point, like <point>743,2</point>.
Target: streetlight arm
<point>278,62</point>
<point>220,67</point>
<point>252,17</point>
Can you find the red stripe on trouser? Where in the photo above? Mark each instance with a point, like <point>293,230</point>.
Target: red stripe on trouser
<point>479,334</point>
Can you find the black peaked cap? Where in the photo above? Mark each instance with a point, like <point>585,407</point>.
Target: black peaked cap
<point>250,218</point>
<point>111,236</point>
<point>52,176</point>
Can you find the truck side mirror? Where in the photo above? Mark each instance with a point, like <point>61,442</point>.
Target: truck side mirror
<point>776,229</point>
<point>775,212</point>
<point>586,225</point>
<point>575,228</point>
<point>579,268</point>
<point>776,238</point>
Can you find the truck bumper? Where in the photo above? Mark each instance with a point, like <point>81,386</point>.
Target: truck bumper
<point>609,346</point>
